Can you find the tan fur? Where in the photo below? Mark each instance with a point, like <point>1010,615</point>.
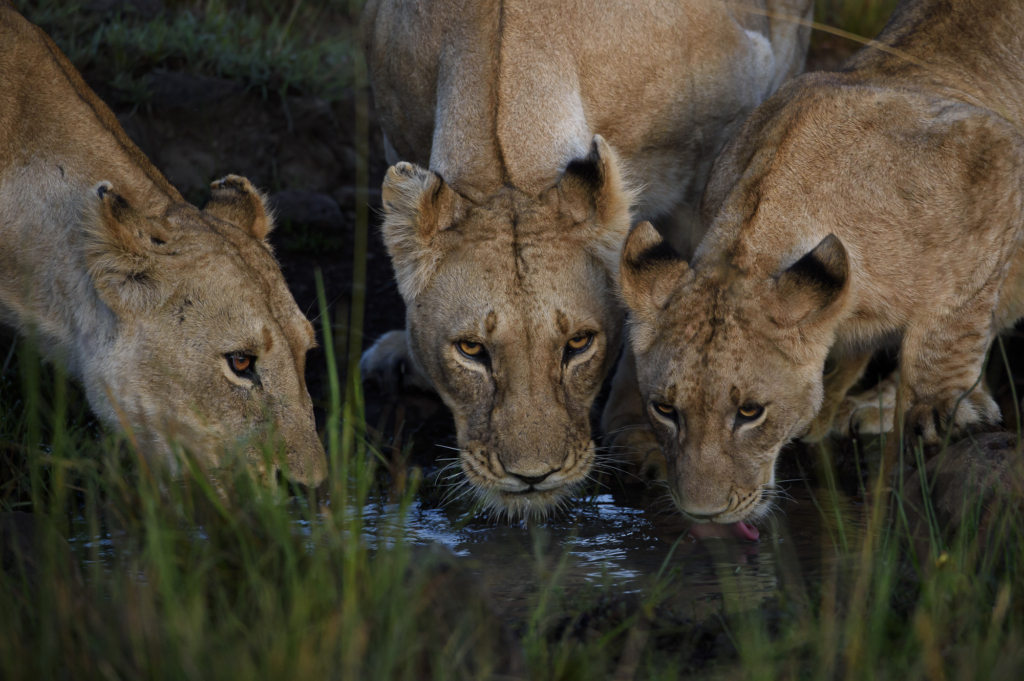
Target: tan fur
<point>870,412</point>
<point>881,203</point>
<point>542,123</point>
<point>139,294</point>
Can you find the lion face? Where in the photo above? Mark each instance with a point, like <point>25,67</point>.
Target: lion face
<point>729,365</point>
<point>512,314</point>
<point>210,350</point>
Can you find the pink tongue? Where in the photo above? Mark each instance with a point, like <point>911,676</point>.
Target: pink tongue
<point>745,531</point>
<point>738,530</point>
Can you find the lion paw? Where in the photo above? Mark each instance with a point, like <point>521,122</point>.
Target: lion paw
<point>872,412</point>
<point>639,449</point>
<point>932,418</point>
<point>388,364</point>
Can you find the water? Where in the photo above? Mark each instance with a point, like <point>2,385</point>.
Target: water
<point>620,541</point>
<point>624,539</point>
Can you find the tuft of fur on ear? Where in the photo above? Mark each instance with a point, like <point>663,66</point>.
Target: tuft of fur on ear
<point>119,243</point>
<point>418,205</point>
<point>236,200</point>
<point>649,272</point>
<point>594,192</point>
<point>815,281</point>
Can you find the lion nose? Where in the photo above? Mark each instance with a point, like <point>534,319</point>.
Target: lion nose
<point>533,479</point>
<point>705,516</point>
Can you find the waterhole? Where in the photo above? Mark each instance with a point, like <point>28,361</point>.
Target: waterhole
<point>626,541</point>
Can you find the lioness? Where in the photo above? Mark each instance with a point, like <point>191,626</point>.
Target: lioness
<point>177,321</point>
<point>881,202</point>
<point>535,127</point>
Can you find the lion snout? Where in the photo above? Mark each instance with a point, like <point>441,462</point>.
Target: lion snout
<point>531,470</point>
<point>304,453</point>
<point>491,466</point>
<point>717,490</point>
<point>703,486</point>
<point>307,464</point>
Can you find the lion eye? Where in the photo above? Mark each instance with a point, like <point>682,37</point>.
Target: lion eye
<point>241,363</point>
<point>663,411</point>
<point>578,343</point>
<point>750,412</point>
<point>471,349</point>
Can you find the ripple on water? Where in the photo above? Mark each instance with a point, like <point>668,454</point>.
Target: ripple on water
<point>618,540</point>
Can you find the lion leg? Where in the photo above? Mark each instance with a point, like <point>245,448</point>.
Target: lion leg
<point>940,390</point>
<point>838,381</point>
<point>871,412</point>
<point>626,429</point>
<point>389,364</point>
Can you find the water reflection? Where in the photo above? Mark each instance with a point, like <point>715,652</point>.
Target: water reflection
<point>616,540</point>
<point>619,541</point>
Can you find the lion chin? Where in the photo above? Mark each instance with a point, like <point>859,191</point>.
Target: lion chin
<point>530,506</point>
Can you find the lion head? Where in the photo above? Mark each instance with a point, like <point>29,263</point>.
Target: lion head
<point>729,365</point>
<point>209,348</point>
<point>512,313</point>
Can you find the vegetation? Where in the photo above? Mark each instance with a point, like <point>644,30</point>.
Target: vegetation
<point>122,575</point>
<point>299,46</point>
<point>864,18</point>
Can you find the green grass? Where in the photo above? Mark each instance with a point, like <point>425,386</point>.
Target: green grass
<point>214,575</point>
<point>297,47</point>
<point>864,18</point>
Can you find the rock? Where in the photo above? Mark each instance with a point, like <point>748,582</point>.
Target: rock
<point>307,209</point>
<point>980,470</point>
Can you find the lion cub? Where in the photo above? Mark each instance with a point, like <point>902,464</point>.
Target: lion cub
<point>880,202</point>
<point>177,321</point>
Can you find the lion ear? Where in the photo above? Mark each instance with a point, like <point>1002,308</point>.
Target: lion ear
<point>120,243</point>
<point>236,200</point>
<point>592,188</point>
<point>649,272</point>
<point>814,282</point>
<point>418,205</point>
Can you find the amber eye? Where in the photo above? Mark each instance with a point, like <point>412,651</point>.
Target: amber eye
<point>241,363</point>
<point>750,412</point>
<point>666,409</point>
<point>579,343</point>
<point>471,349</point>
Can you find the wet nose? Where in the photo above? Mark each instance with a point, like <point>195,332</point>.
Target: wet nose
<point>533,479</point>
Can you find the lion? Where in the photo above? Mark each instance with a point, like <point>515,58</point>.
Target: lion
<point>530,135</point>
<point>176,321</point>
<point>879,204</point>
